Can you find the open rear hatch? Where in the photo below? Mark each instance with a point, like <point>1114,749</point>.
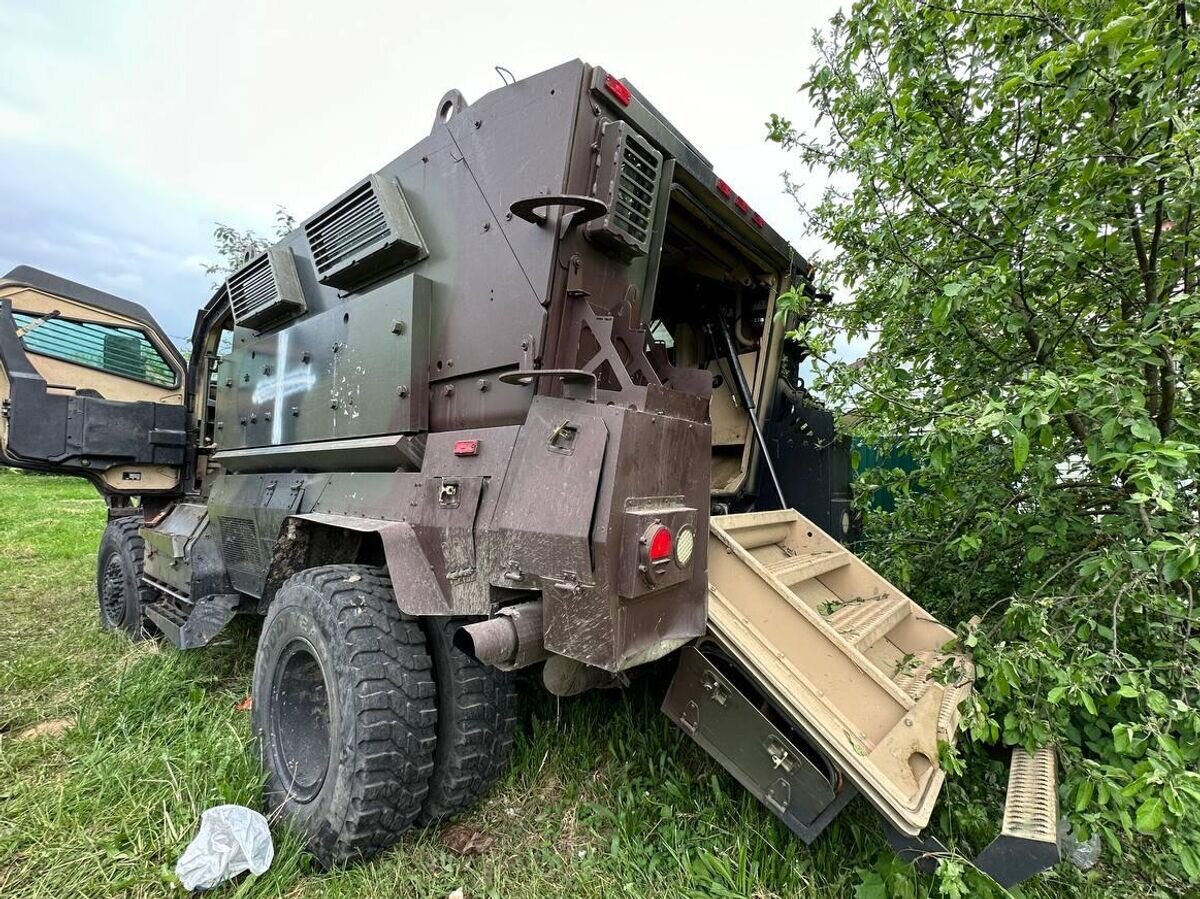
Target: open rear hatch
<point>861,668</point>
<point>819,679</point>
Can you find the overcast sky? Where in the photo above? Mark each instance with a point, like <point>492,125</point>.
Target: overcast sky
<point>127,129</point>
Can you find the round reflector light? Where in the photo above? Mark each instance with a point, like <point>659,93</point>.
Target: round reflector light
<point>661,545</point>
<point>685,545</point>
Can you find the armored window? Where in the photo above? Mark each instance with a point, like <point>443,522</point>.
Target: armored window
<point>124,352</point>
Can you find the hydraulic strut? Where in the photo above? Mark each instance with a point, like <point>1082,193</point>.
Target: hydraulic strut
<point>739,380</point>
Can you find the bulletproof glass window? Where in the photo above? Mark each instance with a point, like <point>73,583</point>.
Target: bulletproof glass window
<point>124,352</point>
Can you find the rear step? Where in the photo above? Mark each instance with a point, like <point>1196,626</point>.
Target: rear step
<point>188,626</point>
<point>857,665</point>
<point>794,569</point>
<point>1028,841</point>
<point>864,623</point>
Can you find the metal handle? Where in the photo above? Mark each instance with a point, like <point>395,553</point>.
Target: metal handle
<point>569,377</point>
<point>586,208</point>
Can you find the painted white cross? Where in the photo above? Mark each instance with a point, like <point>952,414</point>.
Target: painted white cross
<point>282,385</point>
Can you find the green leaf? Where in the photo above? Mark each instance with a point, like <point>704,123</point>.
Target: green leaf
<point>871,886</point>
<point>1088,702</point>
<point>1083,798</point>
<point>1144,429</point>
<point>1035,553</point>
<point>1150,815</point>
<point>941,310</point>
<point>952,289</point>
<point>1117,30</point>
<point>1170,571</point>
<point>1189,858</point>
<point>1020,450</point>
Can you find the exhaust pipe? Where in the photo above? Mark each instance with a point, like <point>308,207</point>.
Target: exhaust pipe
<point>512,639</point>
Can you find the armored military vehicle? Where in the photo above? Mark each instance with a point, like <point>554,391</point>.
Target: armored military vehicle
<point>502,404</point>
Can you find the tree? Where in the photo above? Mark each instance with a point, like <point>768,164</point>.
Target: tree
<point>1015,223</point>
<point>237,247</point>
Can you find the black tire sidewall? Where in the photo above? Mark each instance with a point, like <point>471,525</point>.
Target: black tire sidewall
<point>296,615</point>
<point>473,746</point>
<point>114,545</point>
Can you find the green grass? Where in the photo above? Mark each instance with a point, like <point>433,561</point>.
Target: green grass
<point>605,797</point>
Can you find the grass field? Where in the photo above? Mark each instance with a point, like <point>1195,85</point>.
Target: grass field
<point>109,751</point>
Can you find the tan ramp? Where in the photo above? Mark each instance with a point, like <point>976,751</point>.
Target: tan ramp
<point>856,663</point>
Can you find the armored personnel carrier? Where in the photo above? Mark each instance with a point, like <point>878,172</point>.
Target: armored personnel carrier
<point>521,397</point>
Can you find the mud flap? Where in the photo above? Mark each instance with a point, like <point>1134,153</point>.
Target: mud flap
<point>742,732</point>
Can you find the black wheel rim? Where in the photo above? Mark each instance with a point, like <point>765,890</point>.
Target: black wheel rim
<point>112,592</point>
<point>300,714</point>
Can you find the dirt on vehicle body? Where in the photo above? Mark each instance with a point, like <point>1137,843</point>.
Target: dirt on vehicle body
<point>472,416</point>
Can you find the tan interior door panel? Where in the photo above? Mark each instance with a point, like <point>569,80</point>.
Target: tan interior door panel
<point>89,385</point>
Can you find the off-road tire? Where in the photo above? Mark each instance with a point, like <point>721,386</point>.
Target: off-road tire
<point>120,593</point>
<point>476,715</point>
<point>348,749</point>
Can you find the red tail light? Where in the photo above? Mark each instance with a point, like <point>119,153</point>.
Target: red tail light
<point>662,545</point>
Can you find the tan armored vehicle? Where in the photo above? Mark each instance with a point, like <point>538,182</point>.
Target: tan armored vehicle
<point>520,397</point>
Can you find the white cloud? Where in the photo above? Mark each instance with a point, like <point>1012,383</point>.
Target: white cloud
<point>120,281</point>
<point>246,104</point>
<point>195,262</point>
<point>174,116</point>
<point>19,124</point>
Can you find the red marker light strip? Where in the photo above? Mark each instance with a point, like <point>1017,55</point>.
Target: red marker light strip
<point>724,189</point>
<point>613,85</point>
<point>466,447</point>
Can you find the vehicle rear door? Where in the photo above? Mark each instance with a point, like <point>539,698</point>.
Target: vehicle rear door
<point>89,385</point>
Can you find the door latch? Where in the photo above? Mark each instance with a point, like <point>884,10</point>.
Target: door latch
<point>716,690</point>
<point>781,758</point>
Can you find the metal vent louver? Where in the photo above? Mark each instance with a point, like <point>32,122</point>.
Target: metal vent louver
<point>627,177</point>
<point>266,291</point>
<point>363,234</point>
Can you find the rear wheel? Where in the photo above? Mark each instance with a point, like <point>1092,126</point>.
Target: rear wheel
<point>476,714</point>
<point>119,588</point>
<point>344,710</point>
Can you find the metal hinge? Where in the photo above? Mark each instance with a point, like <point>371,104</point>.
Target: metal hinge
<point>689,718</point>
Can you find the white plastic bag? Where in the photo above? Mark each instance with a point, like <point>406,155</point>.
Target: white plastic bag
<point>1082,855</point>
<point>232,839</point>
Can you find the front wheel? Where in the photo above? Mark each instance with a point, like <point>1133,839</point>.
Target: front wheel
<point>344,711</point>
<point>119,589</point>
